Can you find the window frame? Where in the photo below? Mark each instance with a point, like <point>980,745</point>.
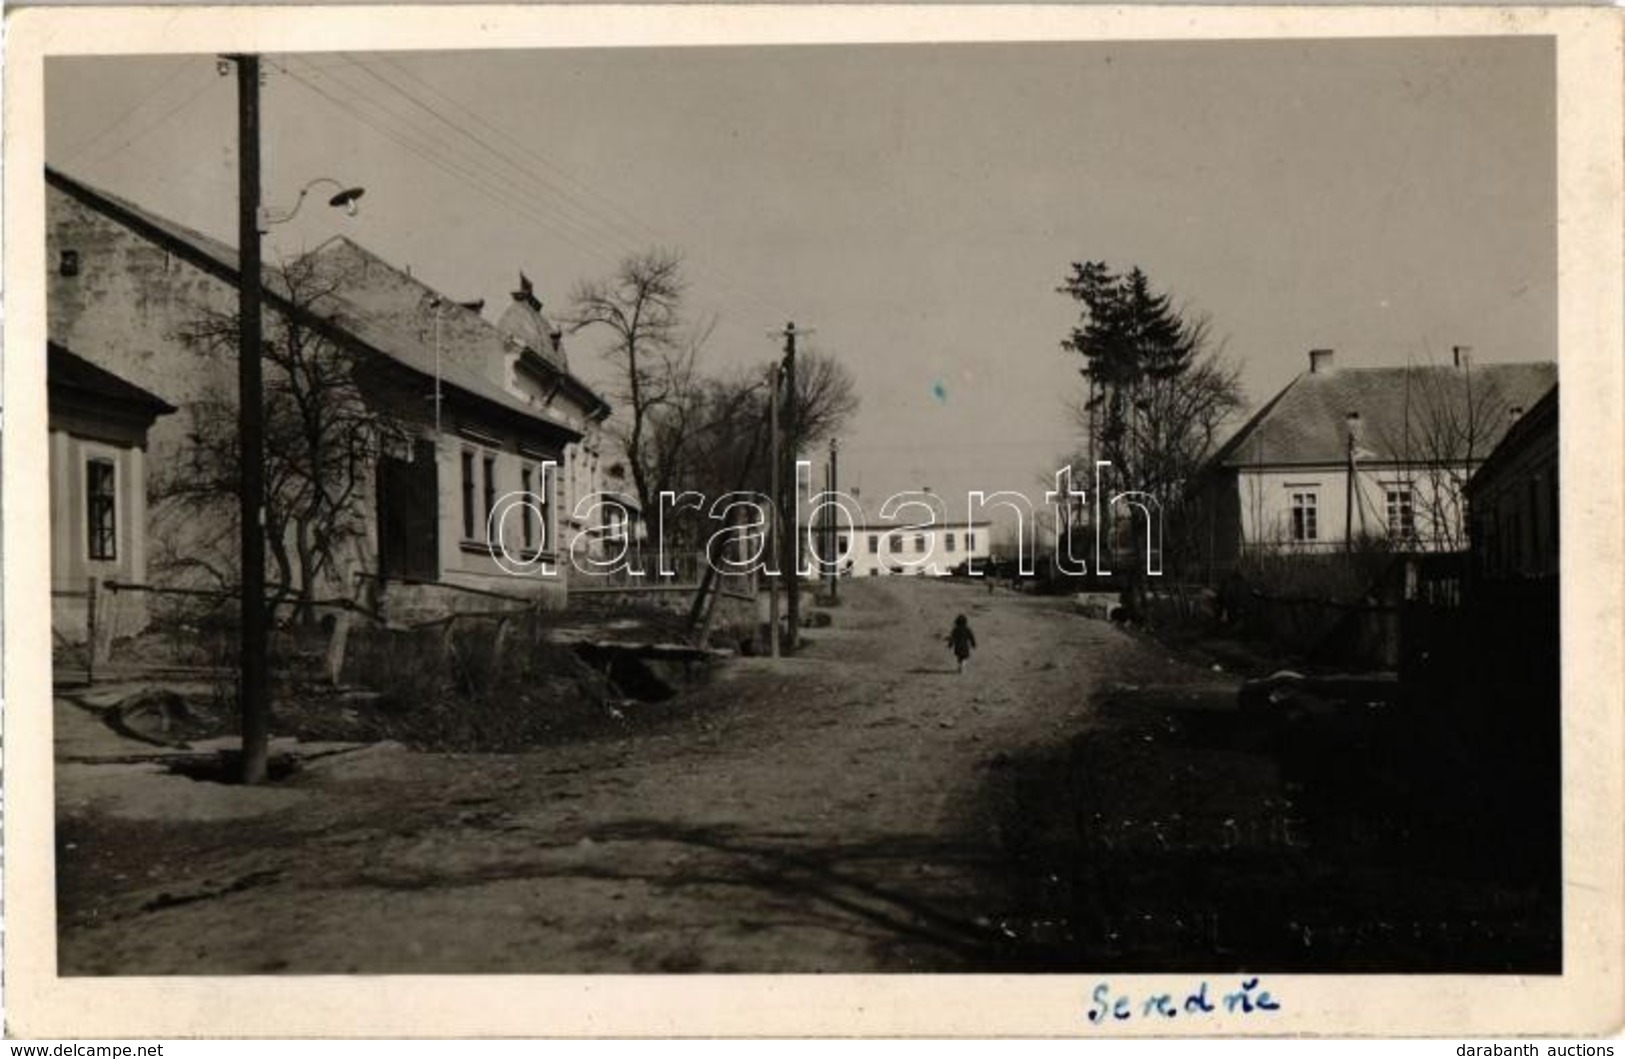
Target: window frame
<point>1303,515</point>
<point>94,535</point>
<point>1405,530</point>
<point>469,489</point>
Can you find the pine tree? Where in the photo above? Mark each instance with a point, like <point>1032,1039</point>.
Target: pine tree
<point>1156,394</point>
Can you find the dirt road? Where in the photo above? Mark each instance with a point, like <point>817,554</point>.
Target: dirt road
<point>830,812</point>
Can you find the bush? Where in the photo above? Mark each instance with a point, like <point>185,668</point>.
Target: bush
<point>479,684</point>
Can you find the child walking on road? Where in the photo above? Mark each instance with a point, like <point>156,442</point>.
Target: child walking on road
<point>961,639</point>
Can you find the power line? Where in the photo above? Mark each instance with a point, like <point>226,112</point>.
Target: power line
<point>152,127</point>
<point>632,223</point>
<point>473,180</point>
<point>588,219</point>
<point>124,115</point>
<point>407,133</point>
<point>567,211</point>
<point>606,216</point>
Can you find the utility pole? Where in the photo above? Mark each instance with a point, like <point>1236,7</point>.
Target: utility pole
<point>254,694</point>
<point>834,528</point>
<point>1349,495</point>
<point>778,511</point>
<point>791,487</point>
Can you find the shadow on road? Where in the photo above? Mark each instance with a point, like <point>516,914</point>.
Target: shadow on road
<point>911,899</point>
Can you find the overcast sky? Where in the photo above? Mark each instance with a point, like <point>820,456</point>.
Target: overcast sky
<point>916,205</point>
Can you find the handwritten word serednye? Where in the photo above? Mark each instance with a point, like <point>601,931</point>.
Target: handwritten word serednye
<point>1108,1006</point>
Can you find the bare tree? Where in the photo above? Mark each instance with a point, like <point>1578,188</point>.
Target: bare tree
<point>1452,419</point>
<point>826,397</point>
<point>322,436</point>
<point>640,306</point>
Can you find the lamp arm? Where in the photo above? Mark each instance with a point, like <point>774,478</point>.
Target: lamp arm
<point>267,218</point>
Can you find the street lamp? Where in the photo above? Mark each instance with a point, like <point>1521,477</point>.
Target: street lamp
<point>346,199</point>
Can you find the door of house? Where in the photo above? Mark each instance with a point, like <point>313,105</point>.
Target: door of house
<point>408,515</point>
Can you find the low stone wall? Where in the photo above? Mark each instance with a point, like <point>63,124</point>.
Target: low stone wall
<point>731,607</point>
<point>410,603</point>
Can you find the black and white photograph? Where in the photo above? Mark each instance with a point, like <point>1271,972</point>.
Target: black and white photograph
<point>1074,509</point>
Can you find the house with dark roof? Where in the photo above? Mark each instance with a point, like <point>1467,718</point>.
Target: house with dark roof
<point>1344,456</point>
<point>98,424</point>
<point>1512,500</point>
<point>467,496</point>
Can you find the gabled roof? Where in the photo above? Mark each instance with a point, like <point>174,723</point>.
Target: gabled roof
<point>68,373</point>
<point>369,317</point>
<point>207,253</point>
<point>1542,417</point>
<point>1402,414</point>
<point>385,307</point>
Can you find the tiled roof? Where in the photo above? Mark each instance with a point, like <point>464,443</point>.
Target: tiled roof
<point>1401,412</point>
<point>1536,420</point>
<point>377,314</point>
<point>385,308</point>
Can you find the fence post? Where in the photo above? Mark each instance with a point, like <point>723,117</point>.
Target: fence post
<point>90,631</point>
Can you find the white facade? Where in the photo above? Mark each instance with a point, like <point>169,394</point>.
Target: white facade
<point>1323,508</point>
<point>877,549</point>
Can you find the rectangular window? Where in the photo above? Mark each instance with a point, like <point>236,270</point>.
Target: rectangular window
<point>100,508</point>
<point>874,544</point>
<point>919,542</point>
<point>894,542</point>
<point>490,469</point>
<point>541,510</point>
<point>970,540</point>
<point>1401,514</point>
<point>1305,516</point>
<point>840,544</point>
<point>950,542</point>
<point>468,496</point>
<point>527,512</point>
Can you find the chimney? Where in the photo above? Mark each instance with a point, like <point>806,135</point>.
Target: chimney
<point>1463,356</point>
<point>1320,361</point>
<point>527,293</point>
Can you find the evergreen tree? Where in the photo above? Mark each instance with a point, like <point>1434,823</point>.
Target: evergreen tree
<point>1156,393</point>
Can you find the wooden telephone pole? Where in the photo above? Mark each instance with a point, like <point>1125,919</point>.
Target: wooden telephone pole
<point>778,509</point>
<point>254,697</point>
<point>790,488</point>
<point>834,524</point>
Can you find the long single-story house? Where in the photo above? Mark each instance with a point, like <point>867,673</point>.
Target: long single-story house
<point>476,412</point>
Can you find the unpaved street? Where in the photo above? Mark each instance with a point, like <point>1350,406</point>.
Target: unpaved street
<point>830,812</point>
